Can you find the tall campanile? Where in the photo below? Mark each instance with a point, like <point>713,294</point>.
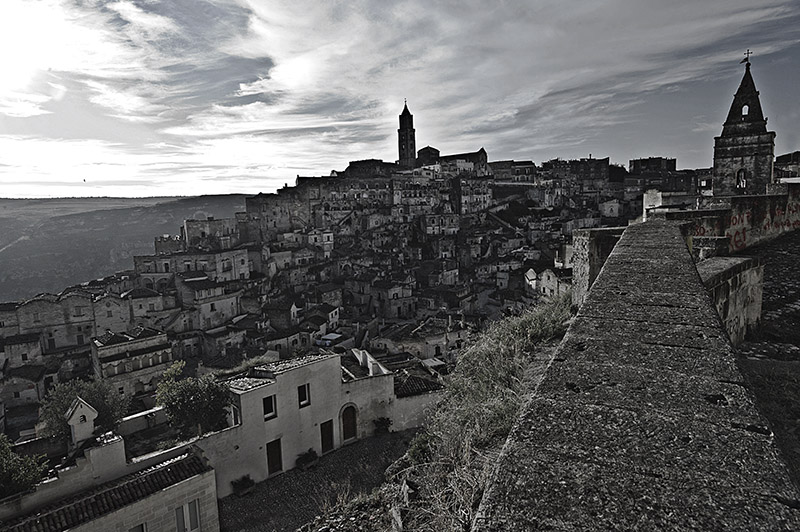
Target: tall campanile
<point>744,153</point>
<point>405,139</point>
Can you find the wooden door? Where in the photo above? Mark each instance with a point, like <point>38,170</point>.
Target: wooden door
<point>349,423</point>
<point>274,459</point>
<point>326,432</point>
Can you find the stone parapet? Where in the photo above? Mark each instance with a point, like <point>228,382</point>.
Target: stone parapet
<point>642,421</point>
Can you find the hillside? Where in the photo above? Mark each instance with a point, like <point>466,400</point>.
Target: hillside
<point>49,244</point>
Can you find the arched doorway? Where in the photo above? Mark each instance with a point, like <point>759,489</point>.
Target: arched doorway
<point>349,418</point>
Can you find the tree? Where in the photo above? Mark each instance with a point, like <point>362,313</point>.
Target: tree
<point>18,473</point>
<point>193,405</point>
<point>111,407</point>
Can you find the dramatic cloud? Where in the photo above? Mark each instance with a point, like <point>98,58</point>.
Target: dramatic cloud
<point>155,97</point>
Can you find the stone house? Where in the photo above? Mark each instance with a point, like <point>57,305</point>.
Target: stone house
<point>113,312</point>
<point>65,320</point>
<point>214,304</point>
<point>393,299</point>
<point>132,362</point>
<point>318,402</point>
<point>555,281</point>
<point>329,312</point>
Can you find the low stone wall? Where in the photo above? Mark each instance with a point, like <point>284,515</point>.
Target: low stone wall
<point>590,249</point>
<point>142,421</point>
<point>746,220</point>
<point>642,421</point>
<point>735,285</point>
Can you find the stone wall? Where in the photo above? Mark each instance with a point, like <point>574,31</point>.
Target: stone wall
<point>413,411</point>
<point>590,249</point>
<point>735,285</point>
<point>748,221</point>
<point>641,421</point>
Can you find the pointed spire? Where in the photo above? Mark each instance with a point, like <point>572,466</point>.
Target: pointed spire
<point>745,114</point>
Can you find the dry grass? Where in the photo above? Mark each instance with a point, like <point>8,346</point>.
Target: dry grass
<point>448,465</point>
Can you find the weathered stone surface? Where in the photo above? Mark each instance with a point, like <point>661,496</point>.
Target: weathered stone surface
<point>642,421</point>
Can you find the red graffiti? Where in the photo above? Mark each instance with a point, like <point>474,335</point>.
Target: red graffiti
<point>739,219</point>
<point>699,230</point>
<point>739,239</point>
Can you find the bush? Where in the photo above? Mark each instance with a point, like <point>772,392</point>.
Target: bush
<point>382,425</point>
<point>193,405</point>
<point>306,459</point>
<point>18,473</point>
<point>243,485</point>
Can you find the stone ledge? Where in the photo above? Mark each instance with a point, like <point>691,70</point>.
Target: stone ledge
<point>642,421</point>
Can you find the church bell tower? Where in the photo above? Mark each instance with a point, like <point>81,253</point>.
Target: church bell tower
<point>744,153</point>
<point>405,139</point>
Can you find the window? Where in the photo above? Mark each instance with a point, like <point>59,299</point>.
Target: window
<point>304,395</point>
<point>121,390</point>
<point>35,316</point>
<point>270,407</point>
<point>78,311</point>
<point>745,110</point>
<point>24,356</point>
<point>109,314</point>
<point>79,338</point>
<point>138,528</point>
<point>188,516</point>
<point>213,307</point>
<point>151,306</point>
<point>82,419</point>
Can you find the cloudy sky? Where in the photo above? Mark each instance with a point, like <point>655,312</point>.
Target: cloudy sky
<point>181,97</point>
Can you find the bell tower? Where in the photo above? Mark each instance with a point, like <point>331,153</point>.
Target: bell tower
<point>744,153</point>
<point>407,151</point>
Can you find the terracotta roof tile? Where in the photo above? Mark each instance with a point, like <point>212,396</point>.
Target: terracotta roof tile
<point>95,503</point>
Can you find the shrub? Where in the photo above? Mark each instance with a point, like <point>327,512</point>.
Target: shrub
<point>18,473</point>
<point>193,405</point>
<point>382,425</point>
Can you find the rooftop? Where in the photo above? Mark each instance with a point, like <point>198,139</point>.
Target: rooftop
<point>137,333</point>
<point>245,384</point>
<point>283,366</point>
<point>72,512</point>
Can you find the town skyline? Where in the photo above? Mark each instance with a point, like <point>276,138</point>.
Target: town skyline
<point>155,99</point>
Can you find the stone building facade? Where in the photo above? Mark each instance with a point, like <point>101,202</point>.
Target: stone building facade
<point>131,362</point>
